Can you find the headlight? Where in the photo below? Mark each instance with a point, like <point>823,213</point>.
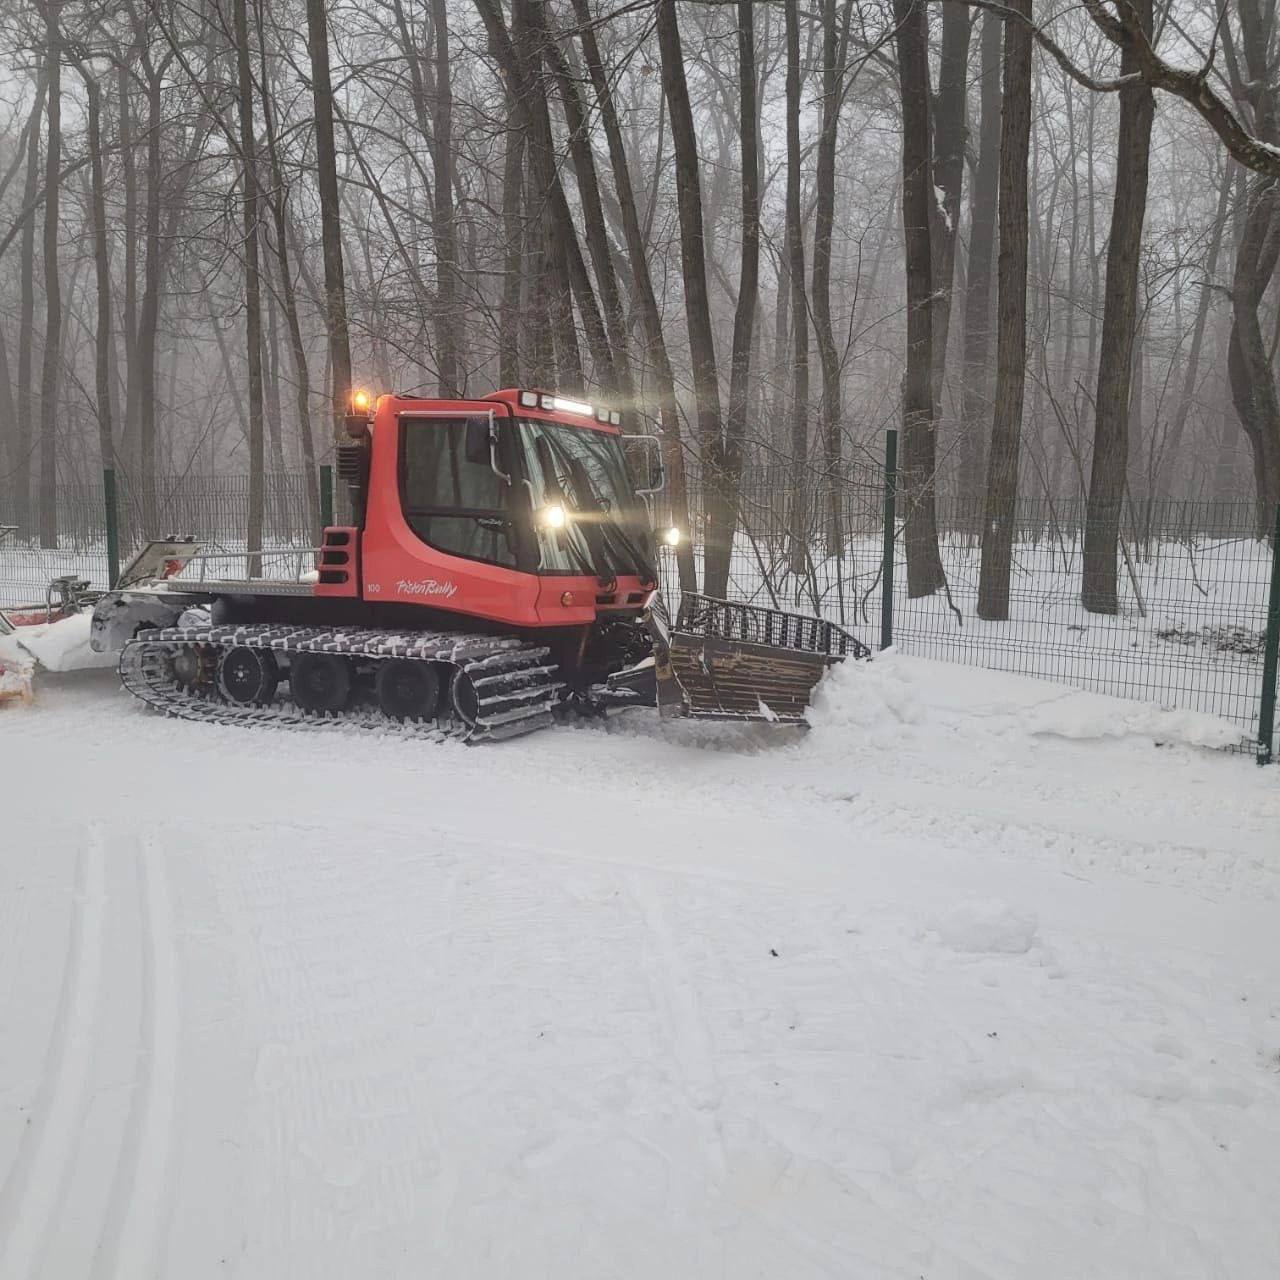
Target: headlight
<point>553,516</point>
<point>672,537</point>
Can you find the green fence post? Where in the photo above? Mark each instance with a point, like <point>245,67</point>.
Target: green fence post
<point>113,525</point>
<point>326,496</point>
<point>890,527</point>
<point>1270,652</point>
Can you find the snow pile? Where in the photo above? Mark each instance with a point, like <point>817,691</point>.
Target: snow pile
<point>986,926</point>
<point>1095,715</point>
<point>875,700</point>
<point>61,645</point>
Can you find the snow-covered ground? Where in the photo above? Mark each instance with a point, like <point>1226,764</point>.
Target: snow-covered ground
<point>978,978</point>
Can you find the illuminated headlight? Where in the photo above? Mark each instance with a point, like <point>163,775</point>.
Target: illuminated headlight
<point>672,537</point>
<point>571,406</point>
<point>553,516</point>
<point>360,401</point>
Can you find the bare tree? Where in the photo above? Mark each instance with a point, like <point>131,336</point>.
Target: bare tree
<point>26,315</point>
<point>924,565</point>
<point>706,382</point>
<point>252,282</point>
<point>835,42</point>
<point>982,235</point>
<point>1011,325</point>
<point>52,287</point>
<point>657,357</point>
<point>950,132</point>
<point>744,315</point>
<point>1119,323</point>
<point>330,215</point>
<point>799,380</point>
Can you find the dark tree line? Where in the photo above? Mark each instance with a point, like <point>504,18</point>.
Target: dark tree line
<point>1046,249</point>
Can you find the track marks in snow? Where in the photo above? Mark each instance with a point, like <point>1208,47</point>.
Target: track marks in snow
<point>39,1175</point>
<point>96,1150</point>
<point>691,1050</point>
<point>139,1206</point>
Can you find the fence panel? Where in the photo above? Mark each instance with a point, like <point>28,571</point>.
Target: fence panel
<point>1188,631</point>
<point>212,509</point>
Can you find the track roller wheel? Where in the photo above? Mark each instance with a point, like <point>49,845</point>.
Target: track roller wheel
<point>465,699</point>
<point>320,681</point>
<point>247,676</point>
<point>407,690</point>
<point>194,668</point>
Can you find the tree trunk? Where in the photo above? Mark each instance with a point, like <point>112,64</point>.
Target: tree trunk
<point>288,295</point>
<point>799,407</point>
<point>448,314</point>
<point>977,306</point>
<point>657,360</point>
<point>27,320</point>
<point>520,55</point>
<point>129,174</point>
<point>597,236</point>
<point>252,287</point>
<point>1253,388</point>
<point>706,384</point>
<point>271,378</point>
<point>335,289</point>
<point>924,565</point>
<point>719,551</point>
<point>149,312</point>
<point>1119,323</point>
<point>102,267</point>
<point>834,48</point>
<point>1250,368</point>
<point>1011,323</point>
<point>514,235</point>
<point>1190,381</point>
<point>52,289</point>
<point>950,132</point>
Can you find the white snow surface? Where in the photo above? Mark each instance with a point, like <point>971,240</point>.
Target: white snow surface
<point>973,979</point>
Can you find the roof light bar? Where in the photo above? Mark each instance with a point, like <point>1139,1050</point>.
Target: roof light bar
<point>570,406</point>
<point>529,399</point>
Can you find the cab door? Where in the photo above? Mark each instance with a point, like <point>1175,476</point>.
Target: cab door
<point>452,532</point>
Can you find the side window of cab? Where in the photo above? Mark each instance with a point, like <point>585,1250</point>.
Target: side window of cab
<point>451,496</point>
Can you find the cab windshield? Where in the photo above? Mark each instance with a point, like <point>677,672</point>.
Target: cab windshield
<point>586,473</point>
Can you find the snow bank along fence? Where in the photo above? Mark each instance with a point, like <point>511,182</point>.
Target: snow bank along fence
<point>1199,589</point>
<point>1198,609</point>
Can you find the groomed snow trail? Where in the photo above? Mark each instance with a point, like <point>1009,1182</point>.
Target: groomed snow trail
<point>972,980</point>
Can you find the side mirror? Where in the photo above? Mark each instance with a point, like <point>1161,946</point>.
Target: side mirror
<point>481,445</point>
<point>644,457</point>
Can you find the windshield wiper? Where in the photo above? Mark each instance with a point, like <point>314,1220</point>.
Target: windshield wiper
<point>612,527</point>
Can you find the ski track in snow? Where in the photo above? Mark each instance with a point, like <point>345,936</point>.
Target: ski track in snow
<point>928,992</point>
<point>38,1177</point>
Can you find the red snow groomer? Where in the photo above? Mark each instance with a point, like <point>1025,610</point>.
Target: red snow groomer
<point>500,565</point>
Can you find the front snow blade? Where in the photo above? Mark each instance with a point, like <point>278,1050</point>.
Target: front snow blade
<point>727,661</point>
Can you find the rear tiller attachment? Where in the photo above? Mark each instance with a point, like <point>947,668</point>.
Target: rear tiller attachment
<point>726,661</point>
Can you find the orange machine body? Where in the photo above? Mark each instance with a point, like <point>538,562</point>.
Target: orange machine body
<point>382,560</point>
